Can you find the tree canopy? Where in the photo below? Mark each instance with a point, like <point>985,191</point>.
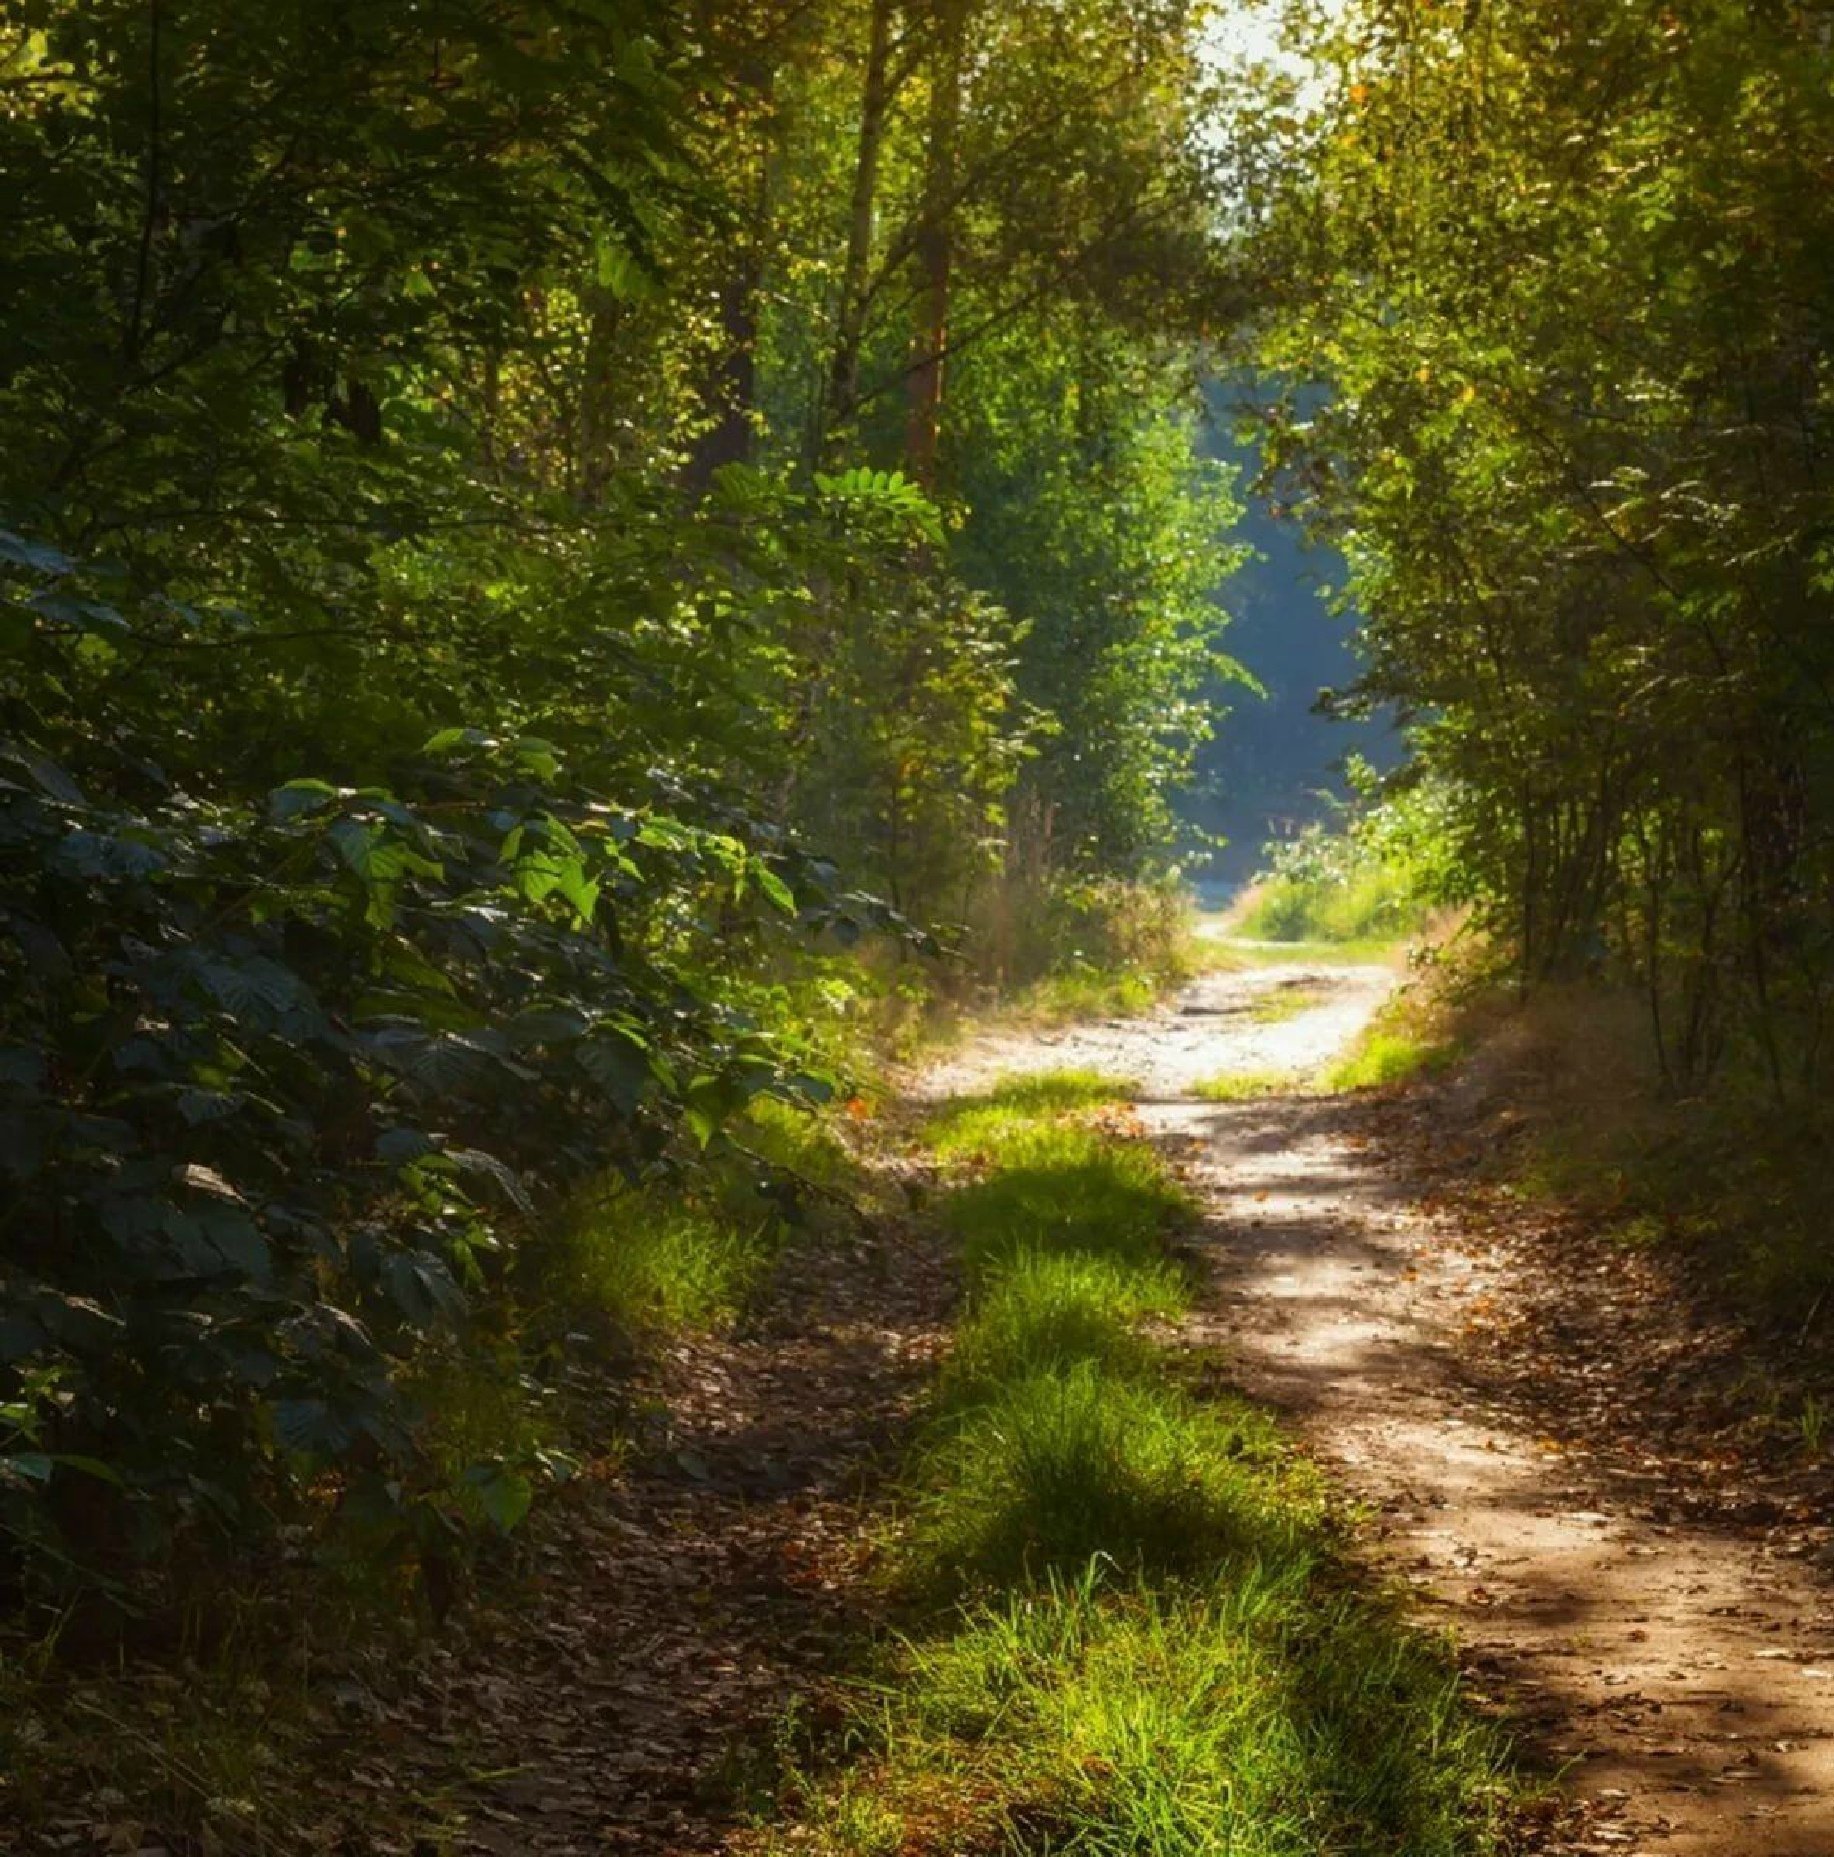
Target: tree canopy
<point>1561,270</point>
<point>518,523</point>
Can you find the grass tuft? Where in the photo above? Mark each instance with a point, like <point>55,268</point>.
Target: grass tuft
<point>1289,1001</point>
<point>657,1262</point>
<point>1374,902</point>
<point>1082,1461</point>
<point>1251,1717</point>
<point>1090,993</point>
<point>687,1255</point>
<point>1071,1190</point>
<point>1047,1311</point>
<point>1246,1086</point>
<point>1408,1038</point>
<point>1238,952</point>
<point>1382,1058</point>
<point>977,1127</point>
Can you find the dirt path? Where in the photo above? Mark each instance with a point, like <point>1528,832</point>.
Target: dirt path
<point>1684,1669</point>
<point>1286,1018</point>
<point>626,1697</point>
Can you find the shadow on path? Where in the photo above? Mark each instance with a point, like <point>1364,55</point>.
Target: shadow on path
<point>1686,1675</point>
<point>676,1611</point>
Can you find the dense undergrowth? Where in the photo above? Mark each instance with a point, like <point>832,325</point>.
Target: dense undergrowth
<point>509,664</point>
<point>205,1716</point>
<point>510,1410</point>
<point>1130,1626</point>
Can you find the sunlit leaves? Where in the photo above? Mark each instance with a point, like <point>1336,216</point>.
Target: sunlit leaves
<point>1565,290</point>
<point>889,496</point>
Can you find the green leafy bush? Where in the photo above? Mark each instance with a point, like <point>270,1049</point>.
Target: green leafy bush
<point>282,1085</point>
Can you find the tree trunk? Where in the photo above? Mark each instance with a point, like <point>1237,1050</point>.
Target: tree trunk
<point>936,244</point>
<point>843,392</point>
<point>595,443</point>
<point>732,391</point>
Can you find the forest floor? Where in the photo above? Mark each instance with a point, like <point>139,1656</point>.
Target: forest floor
<point>1552,1443</point>
<point>689,1614</point>
<point>1561,1450</point>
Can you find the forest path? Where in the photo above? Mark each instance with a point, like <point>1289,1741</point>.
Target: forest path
<point>1684,1670</point>
<point>1287,1018</point>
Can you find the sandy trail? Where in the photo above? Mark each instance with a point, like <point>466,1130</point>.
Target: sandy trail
<point>1684,1675</point>
<point>1287,1018</point>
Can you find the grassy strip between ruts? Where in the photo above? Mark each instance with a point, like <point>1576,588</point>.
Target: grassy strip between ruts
<point>1131,1630</point>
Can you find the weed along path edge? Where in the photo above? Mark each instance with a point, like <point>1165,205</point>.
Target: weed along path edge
<point>1680,1676</point>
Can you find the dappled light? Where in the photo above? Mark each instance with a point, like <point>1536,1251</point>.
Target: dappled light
<point>664,1189</point>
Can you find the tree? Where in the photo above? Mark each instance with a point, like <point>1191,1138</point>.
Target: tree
<point>489,578</point>
<point>1563,274</point>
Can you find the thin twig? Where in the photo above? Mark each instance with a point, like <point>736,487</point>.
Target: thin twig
<point>1808,1321</point>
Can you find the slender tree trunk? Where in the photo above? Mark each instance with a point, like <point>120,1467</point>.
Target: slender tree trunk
<point>152,208</point>
<point>734,389</point>
<point>595,444</point>
<point>492,405</point>
<point>936,244</point>
<point>843,389</point>
<point>732,393</point>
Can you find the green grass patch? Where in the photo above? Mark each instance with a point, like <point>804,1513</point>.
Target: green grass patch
<point>1069,1189</point>
<point>1381,1057</point>
<point>1090,993</point>
<point>1287,1002</point>
<point>652,1261</point>
<point>1402,1042</point>
<point>799,1143</point>
<point>1047,1311</point>
<point>687,1254</point>
<point>1156,1649</point>
<point>1083,1461</point>
<point>1246,1086</point>
<point>979,1127</point>
<point>1235,951</point>
<point>1262,1716</point>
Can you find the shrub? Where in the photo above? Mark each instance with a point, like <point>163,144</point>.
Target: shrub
<point>283,1084</point>
<point>1331,887</point>
<point>1107,932</point>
